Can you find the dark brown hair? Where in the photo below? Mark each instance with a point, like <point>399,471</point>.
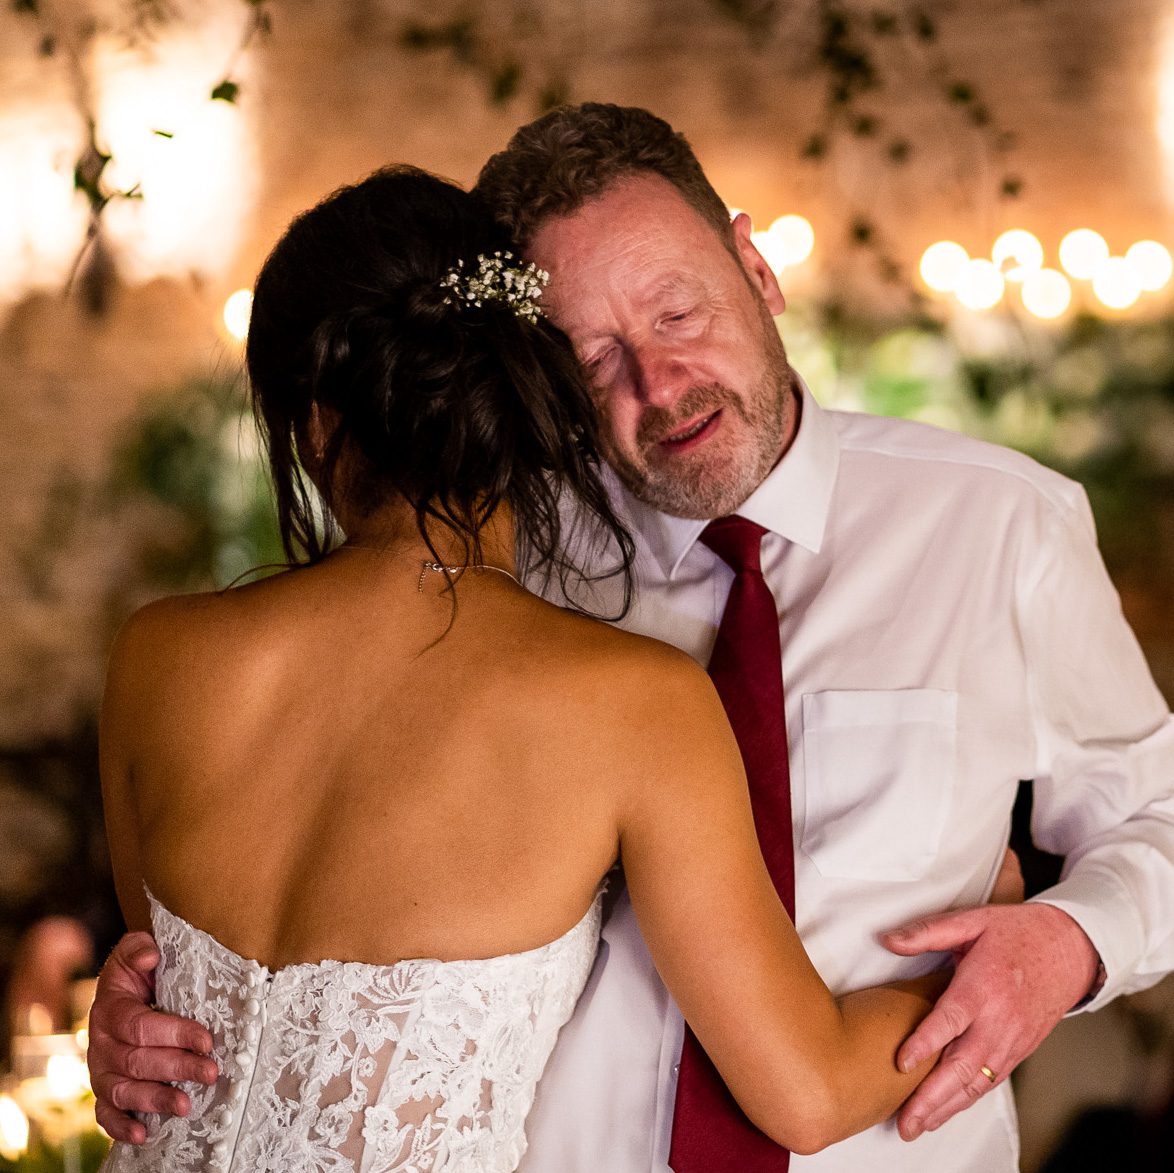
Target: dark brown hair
<point>456,408</point>
<point>559,161</point>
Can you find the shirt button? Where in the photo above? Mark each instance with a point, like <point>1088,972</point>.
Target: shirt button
<point>251,1032</point>
<point>242,1057</point>
<point>220,1150</point>
<point>252,978</point>
<point>225,1118</point>
<point>252,1007</point>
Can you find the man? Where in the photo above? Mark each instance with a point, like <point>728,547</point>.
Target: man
<point>946,628</point>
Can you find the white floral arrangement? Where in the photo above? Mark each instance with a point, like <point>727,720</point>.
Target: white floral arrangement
<point>498,279</point>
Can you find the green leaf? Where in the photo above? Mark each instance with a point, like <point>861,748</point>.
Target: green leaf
<point>862,232</point>
<point>899,150</point>
<point>924,28</point>
<point>554,93</point>
<point>504,82</point>
<point>226,91</point>
<point>163,133</point>
<point>816,147</point>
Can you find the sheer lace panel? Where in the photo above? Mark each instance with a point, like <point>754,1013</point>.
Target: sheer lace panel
<point>418,1067</point>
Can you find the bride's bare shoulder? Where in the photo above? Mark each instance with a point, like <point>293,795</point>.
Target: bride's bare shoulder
<point>625,682</point>
<point>185,637</point>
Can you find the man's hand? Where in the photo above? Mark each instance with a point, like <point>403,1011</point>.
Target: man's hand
<point>1020,969</point>
<point>135,1052</point>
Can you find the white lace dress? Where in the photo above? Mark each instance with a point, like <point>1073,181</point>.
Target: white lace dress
<point>334,1067</point>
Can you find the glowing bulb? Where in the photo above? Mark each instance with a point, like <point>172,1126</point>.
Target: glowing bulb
<point>1017,253</point>
<point>1116,283</point>
<point>1152,263</point>
<point>1046,293</point>
<point>795,236</point>
<point>942,265</point>
<point>771,249</point>
<point>980,285</point>
<point>1082,251</point>
<point>236,313</point>
<point>67,1077</point>
<point>14,1129</point>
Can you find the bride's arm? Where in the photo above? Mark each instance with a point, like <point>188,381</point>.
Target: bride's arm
<point>807,1068</point>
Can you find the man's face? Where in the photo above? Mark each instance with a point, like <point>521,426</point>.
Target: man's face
<point>688,372</point>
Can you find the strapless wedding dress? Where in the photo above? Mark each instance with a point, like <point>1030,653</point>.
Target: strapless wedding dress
<point>333,1067</point>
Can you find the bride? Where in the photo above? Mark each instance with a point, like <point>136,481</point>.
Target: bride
<point>396,757</point>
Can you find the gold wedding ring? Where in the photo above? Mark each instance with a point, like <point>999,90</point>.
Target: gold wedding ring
<point>989,1073</point>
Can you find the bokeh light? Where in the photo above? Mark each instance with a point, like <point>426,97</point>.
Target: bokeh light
<point>1017,253</point>
<point>1116,283</point>
<point>771,249</point>
<point>942,264</point>
<point>1152,263</point>
<point>795,236</point>
<point>14,1129</point>
<point>1047,293</point>
<point>67,1077</point>
<point>980,285</point>
<point>1082,252</point>
<point>237,310</point>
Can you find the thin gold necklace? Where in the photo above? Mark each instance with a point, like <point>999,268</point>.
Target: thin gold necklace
<point>427,567</point>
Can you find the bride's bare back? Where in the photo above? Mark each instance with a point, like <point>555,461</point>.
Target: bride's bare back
<point>316,768</point>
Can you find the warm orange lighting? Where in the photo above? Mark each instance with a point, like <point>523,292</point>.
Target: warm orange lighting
<point>237,310</point>
<point>1116,283</point>
<point>1017,253</point>
<point>942,265</point>
<point>1152,263</point>
<point>1082,252</point>
<point>14,1129</point>
<point>980,285</point>
<point>796,238</point>
<point>1046,293</point>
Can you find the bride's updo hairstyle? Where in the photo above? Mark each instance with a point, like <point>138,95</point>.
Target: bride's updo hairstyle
<point>455,407</point>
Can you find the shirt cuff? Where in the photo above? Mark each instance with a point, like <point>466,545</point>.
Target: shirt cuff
<point>1101,905</point>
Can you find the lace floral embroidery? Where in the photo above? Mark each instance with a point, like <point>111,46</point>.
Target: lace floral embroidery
<point>343,1067</point>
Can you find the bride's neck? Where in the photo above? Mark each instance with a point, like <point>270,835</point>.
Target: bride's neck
<point>393,529</point>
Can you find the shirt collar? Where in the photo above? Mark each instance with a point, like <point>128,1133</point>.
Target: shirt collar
<point>793,501</point>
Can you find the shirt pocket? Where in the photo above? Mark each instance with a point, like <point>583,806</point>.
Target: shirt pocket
<point>879,769</point>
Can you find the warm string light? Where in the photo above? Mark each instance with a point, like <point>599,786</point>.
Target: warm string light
<point>1017,257</point>
<point>787,243</point>
<point>14,1129</point>
<point>237,311</point>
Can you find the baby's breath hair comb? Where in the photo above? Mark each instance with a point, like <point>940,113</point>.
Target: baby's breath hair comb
<point>498,278</point>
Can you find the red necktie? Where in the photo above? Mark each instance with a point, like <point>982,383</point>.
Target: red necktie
<point>710,1133</point>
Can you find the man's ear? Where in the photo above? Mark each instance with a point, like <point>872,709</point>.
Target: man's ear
<point>761,275</point>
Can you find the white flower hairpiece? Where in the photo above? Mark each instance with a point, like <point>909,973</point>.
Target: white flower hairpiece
<point>497,279</point>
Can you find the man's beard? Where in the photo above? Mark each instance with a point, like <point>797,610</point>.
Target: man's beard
<point>711,483</point>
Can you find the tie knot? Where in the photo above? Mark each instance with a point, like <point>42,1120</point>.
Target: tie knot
<point>737,541</point>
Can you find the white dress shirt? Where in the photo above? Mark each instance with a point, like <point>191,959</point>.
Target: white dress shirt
<point>948,628</point>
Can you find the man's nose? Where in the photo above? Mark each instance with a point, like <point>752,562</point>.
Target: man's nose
<point>661,375</point>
